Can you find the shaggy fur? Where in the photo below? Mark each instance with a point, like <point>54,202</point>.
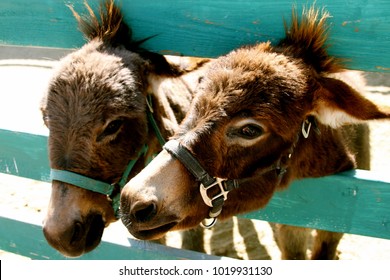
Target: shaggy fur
<point>247,116</point>
<point>95,109</point>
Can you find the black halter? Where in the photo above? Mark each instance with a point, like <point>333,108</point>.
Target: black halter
<point>224,186</point>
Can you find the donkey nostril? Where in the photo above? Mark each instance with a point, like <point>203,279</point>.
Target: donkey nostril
<point>144,212</point>
<point>77,232</point>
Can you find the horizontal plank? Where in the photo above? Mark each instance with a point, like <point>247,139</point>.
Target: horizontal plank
<point>208,28</point>
<point>24,155</point>
<point>13,238</point>
<point>39,56</point>
<point>356,202</point>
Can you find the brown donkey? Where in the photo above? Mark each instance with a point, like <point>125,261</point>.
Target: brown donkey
<point>262,117</point>
<point>105,106</point>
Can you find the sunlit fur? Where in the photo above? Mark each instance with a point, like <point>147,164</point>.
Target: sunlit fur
<point>103,83</point>
<point>279,87</point>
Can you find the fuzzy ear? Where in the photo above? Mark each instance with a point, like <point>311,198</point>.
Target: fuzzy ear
<point>336,104</point>
<point>174,90</point>
<point>171,66</point>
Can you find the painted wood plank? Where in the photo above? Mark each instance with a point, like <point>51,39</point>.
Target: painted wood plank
<point>24,155</point>
<point>355,202</point>
<point>13,238</point>
<point>360,29</point>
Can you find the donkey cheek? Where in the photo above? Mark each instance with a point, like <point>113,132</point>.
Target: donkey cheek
<point>244,201</point>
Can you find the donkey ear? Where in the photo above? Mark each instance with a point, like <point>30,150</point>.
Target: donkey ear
<point>171,66</point>
<point>336,104</point>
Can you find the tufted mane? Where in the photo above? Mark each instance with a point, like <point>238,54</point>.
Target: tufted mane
<point>107,25</point>
<point>306,38</point>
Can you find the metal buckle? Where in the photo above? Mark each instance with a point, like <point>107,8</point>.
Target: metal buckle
<point>206,198</point>
<point>306,125</point>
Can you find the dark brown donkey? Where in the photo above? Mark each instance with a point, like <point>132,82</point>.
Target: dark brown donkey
<point>104,107</point>
<point>263,116</point>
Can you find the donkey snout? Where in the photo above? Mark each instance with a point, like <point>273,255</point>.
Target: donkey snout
<point>76,238</point>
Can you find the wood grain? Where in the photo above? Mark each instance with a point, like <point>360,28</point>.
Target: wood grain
<point>359,29</point>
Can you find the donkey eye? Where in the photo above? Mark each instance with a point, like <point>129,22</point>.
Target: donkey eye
<point>245,131</point>
<point>113,127</point>
<point>250,131</point>
<point>111,130</point>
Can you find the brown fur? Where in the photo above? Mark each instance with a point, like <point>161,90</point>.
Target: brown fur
<point>306,38</point>
<point>246,116</point>
<point>95,109</point>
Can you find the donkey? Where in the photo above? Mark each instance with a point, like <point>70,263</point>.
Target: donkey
<point>108,107</point>
<point>262,117</point>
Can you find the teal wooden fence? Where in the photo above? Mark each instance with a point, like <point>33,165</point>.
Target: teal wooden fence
<point>352,202</point>
<point>360,29</point>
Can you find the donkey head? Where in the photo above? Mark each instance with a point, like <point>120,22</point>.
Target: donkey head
<point>244,130</point>
<point>96,111</point>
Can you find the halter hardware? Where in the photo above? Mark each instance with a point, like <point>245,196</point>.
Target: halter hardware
<point>306,125</point>
<point>111,190</point>
<point>222,194</point>
<point>208,182</point>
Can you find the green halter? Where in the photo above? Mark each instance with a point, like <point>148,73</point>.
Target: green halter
<point>111,190</point>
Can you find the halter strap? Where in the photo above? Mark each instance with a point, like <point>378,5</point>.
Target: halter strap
<point>111,190</point>
<point>82,181</point>
<point>175,148</point>
<point>87,183</point>
<point>207,182</point>
<point>152,121</point>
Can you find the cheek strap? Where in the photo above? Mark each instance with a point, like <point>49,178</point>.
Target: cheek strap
<point>224,186</point>
<point>207,182</point>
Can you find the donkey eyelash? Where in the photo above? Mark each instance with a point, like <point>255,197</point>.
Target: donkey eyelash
<point>111,130</point>
<point>245,132</point>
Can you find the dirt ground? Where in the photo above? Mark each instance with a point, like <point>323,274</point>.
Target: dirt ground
<point>239,238</point>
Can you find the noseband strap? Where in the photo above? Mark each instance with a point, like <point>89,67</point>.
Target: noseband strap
<point>189,161</point>
<point>81,181</point>
<point>87,183</point>
<point>224,186</point>
<point>111,190</point>
<point>207,182</point>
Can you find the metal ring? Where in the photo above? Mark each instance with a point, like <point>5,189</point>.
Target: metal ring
<point>209,225</point>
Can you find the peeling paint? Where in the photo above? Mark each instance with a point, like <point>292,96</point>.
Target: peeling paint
<point>16,166</point>
<point>351,191</point>
<point>210,22</point>
<point>385,223</point>
<point>170,52</point>
<point>345,23</point>
<point>382,68</point>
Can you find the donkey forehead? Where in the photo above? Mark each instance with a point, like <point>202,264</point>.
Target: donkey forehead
<point>257,81</point>
<point>92,76</point>
<point>96,66</point>
<point>255,70</point>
